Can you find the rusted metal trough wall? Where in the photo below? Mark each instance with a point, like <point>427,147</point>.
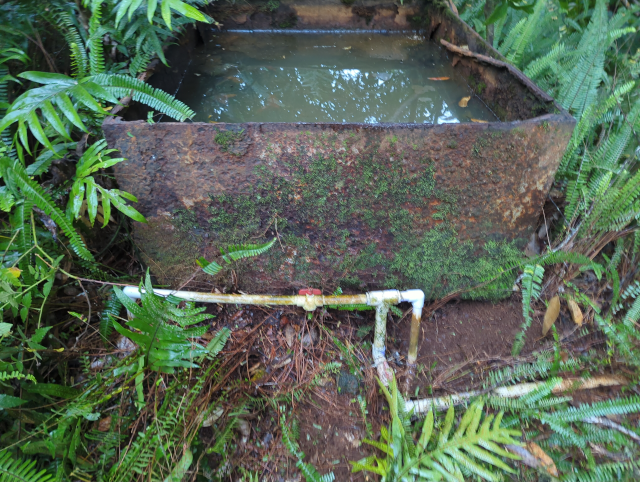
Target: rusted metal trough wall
<point>361,206</point>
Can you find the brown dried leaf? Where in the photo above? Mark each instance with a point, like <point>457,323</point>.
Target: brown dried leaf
<point>576,312</point>
<point>464,101</point>
<point>105,424</point>
<point>479,121</point>
<point>543,459</point>
<point>289,335</point>
<point>438,78</point>
<point>550,317</point>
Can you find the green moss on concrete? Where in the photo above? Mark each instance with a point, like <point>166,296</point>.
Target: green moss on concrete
<point>322,210</point>
<point>440,264</point>
<point>226,139</point>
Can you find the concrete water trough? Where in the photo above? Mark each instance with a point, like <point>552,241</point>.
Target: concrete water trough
<point>361,206</point>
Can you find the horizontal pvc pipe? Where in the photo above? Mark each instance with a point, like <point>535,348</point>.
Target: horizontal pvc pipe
<point>379,299</point>
<point>514,391</point>
<point>308,302</point>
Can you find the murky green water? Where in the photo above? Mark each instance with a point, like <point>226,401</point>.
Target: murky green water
<point>371,78</point>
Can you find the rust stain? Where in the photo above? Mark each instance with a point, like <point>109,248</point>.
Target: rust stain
<point>481,172</point>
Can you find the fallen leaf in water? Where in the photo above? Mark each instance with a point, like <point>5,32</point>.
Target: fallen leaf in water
<point>346,48</point>
<point>576,312</point>
<point>551,315</point>
<point>235,79</point>
<point>438,78</point>
<point>464,101</point>
<point>543,459</point>
<point>479,121</point>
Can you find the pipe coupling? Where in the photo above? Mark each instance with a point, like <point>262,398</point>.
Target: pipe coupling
<point>376,298</point>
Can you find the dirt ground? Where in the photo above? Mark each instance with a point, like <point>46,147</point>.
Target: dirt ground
<point>277,358</point>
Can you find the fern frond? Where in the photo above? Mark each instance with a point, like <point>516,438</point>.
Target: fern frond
<point>531,287</point>
<point>20,470</point>
<point>14,171</point>
<point>603,472</point>
<point>95,43</point>
<point>112,307</point>
<point>520,37</point>
<point>240,251</point>
<point>598,409</point>
<point>164,344</point>
<point>121,86</point>
<point>218,342</point>
<point>16,375</point>
<point>309,471</point>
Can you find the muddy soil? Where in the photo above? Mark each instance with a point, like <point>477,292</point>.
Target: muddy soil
<point>460,343</point>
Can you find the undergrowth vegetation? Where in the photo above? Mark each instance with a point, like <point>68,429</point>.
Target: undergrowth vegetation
<point>134,410</point>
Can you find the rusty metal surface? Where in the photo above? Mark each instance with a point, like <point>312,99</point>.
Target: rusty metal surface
<point>314,14</point>
<point>492,178</point>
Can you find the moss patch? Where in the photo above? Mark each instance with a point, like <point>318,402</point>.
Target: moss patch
<point>226,139</point>
<point>323,209</point>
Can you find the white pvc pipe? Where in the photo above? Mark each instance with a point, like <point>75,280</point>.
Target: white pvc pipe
<point>379,299</point>
<point>514,391</point>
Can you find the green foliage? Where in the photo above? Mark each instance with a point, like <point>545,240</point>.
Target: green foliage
<point>21,185</point>
<point>111,311</point>
<point>531,286</point>
<point>472,450</point>
<point>234,253</point>
<point>165,345</point>
<point>309,471</point>
<point>14,470</point>
<point>522,33</point>
<point>529,371</point>
<point>129,7</point>
<point>85,193</point>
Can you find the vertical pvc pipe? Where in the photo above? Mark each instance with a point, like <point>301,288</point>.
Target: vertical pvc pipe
<point>416,316</point>
<point>385,373</point>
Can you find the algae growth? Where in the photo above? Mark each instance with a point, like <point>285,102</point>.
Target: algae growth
<point>368,222</point>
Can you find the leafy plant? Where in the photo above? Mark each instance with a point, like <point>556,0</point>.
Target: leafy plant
<point>309,471</point>
<point>20,470</point>
<point>472,450</point>
<point>234,253</point>
<point>166,345</point>
<point>128,7</point>
<point>531,286</point>
<point>86,193</point>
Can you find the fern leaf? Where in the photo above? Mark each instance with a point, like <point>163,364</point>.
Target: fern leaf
<point>34,192</point>
<point>20,470</point>
<point>218,342</point>
<point>112,307</point>
<point>246,250</point>
<point>121,86</point>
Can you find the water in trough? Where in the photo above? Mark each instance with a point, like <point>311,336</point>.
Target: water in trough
<point>327,77</point>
